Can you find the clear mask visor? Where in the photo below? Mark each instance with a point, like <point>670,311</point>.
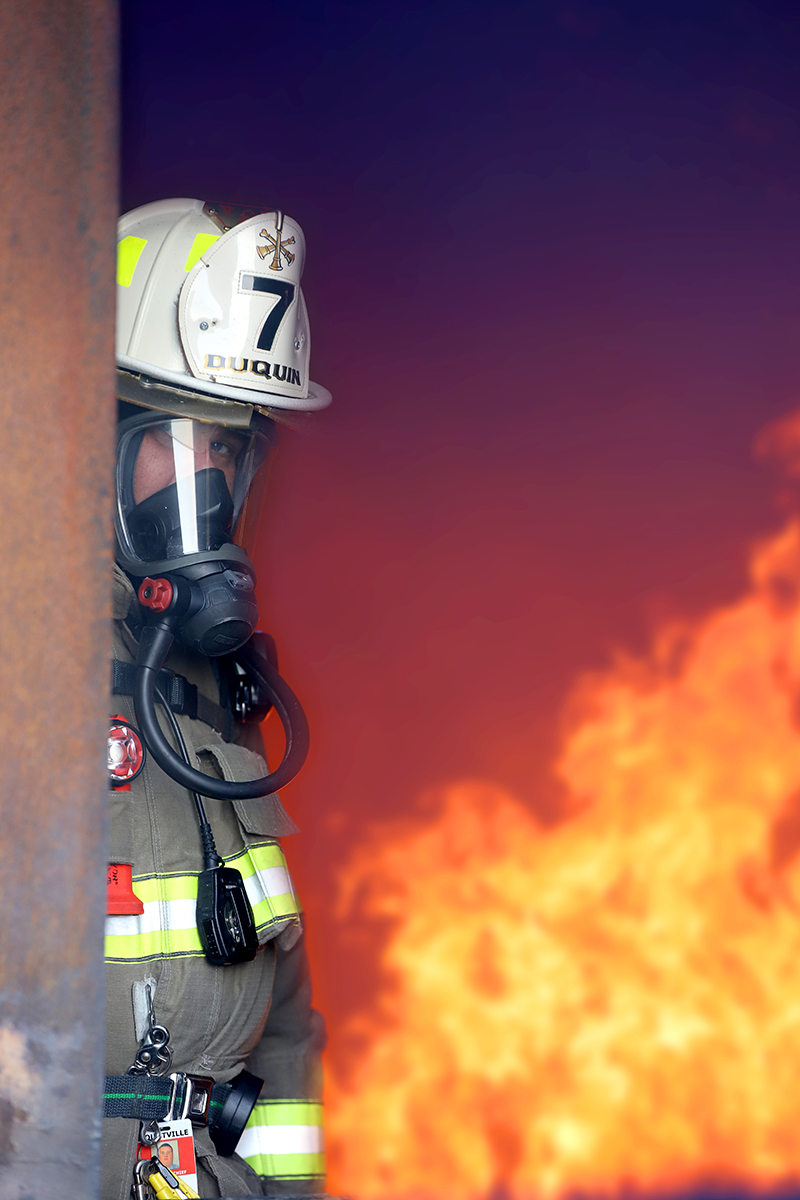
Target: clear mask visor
<point>183,486</point>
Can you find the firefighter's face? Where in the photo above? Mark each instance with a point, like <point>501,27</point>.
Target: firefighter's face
<point>192,445</point>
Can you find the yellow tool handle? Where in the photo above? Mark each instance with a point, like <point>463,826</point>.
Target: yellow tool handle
<point>162,1188</point>
<point>173,1183</point>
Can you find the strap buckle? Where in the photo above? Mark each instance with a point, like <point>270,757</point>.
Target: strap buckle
<point>187,1090</point>
<point>243,696</point>
<point>198,1109</point>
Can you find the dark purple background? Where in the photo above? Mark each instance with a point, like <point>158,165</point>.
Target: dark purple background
<point>553,274</point>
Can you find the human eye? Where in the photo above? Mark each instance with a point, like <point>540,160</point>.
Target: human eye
<point>226,446</point>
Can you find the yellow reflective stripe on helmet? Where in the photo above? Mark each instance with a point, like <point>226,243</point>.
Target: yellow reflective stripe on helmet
<point>129,251</point>
<point>284,1139</point>
<point>168,927</point>
<point>199,246</point>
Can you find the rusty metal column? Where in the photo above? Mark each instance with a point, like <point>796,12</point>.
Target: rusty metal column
<point>58,205</point>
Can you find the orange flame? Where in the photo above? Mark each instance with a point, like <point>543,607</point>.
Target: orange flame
<point>614,1002</point>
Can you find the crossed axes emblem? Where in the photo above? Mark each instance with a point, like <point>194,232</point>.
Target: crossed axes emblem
<point>276,247</point>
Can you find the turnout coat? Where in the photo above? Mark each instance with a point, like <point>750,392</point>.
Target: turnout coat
<point>254,1015</point>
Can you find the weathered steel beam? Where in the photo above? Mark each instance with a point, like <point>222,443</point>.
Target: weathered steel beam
<point>58,206</point>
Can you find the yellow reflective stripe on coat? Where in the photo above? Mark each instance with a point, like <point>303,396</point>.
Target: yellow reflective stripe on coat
<point>167,928</point>
<point>267,883</point>
<point>284,1139</point>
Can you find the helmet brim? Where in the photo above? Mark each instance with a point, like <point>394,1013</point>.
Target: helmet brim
<point>192,398</point>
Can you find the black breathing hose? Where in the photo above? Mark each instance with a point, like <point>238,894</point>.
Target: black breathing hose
<point>154,646</point>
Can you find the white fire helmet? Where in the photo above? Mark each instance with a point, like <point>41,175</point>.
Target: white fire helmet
<point>210,313</point>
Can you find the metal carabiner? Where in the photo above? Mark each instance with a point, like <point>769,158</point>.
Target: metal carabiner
<point>140,1188</point>
<point>154,1055</point>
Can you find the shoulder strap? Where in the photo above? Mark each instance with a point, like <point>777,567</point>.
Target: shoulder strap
<point>182,697</point>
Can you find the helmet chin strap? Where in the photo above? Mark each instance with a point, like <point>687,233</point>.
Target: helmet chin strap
<point>174,600</point>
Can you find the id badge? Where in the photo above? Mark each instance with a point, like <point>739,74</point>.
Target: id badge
<point>174,1150</point>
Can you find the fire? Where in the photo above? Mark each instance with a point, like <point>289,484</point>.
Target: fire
<point>613,1002</point>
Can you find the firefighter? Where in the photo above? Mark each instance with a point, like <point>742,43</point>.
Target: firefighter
<point>208,988</point>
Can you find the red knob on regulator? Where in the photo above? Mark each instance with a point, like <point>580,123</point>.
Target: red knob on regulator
<point>155,594</point>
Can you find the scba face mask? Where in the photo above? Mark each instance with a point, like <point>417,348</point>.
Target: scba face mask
<point>189,501</point>
<point>187,487</point>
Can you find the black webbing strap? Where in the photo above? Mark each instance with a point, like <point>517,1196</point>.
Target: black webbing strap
<point>183,697</point>
<point>144,1097</point>
<point>147,1097</point>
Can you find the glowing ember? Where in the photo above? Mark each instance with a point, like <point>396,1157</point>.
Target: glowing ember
<point>616,1001</point>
